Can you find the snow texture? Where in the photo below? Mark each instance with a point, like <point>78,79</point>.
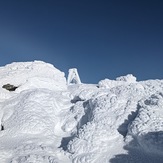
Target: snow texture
<point>46,120</point>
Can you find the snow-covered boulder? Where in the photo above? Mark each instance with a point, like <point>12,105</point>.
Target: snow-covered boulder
<point>29,75</point>
<point>128,78</point>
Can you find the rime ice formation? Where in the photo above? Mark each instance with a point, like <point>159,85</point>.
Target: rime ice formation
<point>45,120</point>
<point>73,77</point>
<point>30,75</point>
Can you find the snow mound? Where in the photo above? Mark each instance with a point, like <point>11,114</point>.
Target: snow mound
<point>28,75</point>
<point>128,78</point>
<point>39,115</point>
<point>108,127</point>
<point>123,80</point>
<point>147,128</point>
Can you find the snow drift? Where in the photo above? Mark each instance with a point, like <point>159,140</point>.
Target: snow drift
<point>44,120</point>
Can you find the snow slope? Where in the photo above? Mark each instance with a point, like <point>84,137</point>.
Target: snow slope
<point>47,121</point>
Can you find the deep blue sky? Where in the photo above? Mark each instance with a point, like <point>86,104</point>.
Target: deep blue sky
<point>103,39</point>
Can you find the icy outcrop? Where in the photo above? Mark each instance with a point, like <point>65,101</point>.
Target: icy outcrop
<point>73,77</point>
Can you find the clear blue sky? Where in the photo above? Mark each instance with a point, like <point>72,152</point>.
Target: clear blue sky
<point>103,39</point>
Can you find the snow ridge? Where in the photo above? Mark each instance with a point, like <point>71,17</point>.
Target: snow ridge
<point>45,120</point>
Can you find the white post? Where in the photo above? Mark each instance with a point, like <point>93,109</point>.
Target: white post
<point>73,77</point>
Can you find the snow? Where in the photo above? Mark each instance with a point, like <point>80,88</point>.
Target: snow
<point>35,74</point>
<point>148,125</point>
<point>46,120</point>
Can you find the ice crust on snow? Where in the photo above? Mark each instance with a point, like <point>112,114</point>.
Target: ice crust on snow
<point>46,120</point>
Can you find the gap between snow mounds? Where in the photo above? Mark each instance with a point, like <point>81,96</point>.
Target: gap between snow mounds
<point>82,113</point>
<point>2,128</point>
<point>123,128</point>
<point>80,95</point>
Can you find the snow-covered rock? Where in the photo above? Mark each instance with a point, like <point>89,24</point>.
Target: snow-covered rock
<point>128,78</point>
<point>147,128</point>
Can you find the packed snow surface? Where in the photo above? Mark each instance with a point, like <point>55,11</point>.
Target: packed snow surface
<point>45,120</point>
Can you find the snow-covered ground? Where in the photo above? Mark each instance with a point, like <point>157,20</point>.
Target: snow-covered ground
<point>44,120</point>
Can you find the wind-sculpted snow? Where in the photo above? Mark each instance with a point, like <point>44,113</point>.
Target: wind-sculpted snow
<point>111,111</point>
<point>36,114</point>
<point>147,128</point>
<point>46,121</point>
<point>108,111</point>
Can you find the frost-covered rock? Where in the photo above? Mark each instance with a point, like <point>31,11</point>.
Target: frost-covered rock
<point>123,80</point>
<point>147,128</point>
